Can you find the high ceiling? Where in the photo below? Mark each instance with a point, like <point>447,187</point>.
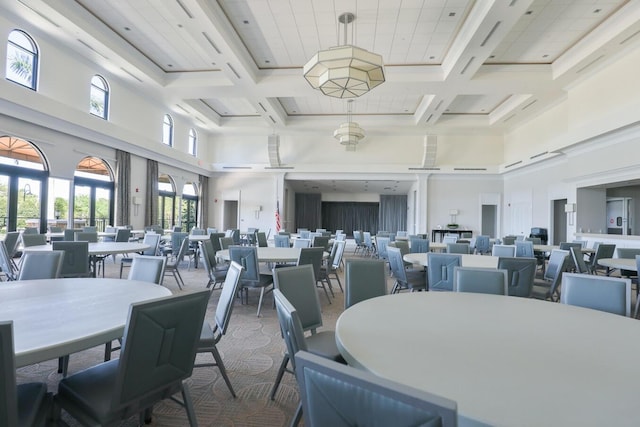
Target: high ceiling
<point>237,64</point>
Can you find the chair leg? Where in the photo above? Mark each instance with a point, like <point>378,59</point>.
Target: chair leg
<point>260,301</point>
<point>297,416</point>
<point>635,312</point>
<point>223,370</point>
<point>188,405</point>
<point>281,371</point>
<point>325,290</point>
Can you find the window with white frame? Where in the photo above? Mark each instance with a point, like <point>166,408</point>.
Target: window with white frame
<point>193,142</point>
<point>167,130</point>
<point>22,59</point>
<point>99,97</point>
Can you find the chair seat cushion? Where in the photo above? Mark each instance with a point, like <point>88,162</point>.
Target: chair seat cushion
<point>31,402</point>
<point>264,280</point>
<point>323,344</point>
<point>207,337</point>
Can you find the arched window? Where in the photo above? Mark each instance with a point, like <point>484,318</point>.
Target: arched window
<point>99,97</point>
<point>193,142</point>
<point>93,188</point>
<point>167,130</point>
<point>189,206</point>
<point>23,186</point>
<point>22,59</point>
<point>167,207</point>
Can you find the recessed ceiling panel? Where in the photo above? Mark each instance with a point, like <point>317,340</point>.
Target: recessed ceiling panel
<point>371,104</point>
<point>474,104</point>
<point>230,107</point>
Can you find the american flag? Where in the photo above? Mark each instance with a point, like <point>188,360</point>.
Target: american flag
<point>277,216</point>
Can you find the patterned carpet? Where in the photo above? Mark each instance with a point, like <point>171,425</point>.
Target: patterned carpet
<point>252,350</point>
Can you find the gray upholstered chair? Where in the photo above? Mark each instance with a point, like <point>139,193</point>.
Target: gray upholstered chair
<point>41,265</point>
<point>337,395</point>
<point>449,239</point>
<point>23,405</point>
<point>215,241</point>
<point>281,241</point>
<point>226,242</point>
<point>321,242</point>
<point>302,243</point>
<point>610,294</point>
<point>11,240</point>
<point>507,251</point>
<point>440,270</point>
<point>629,253</point>
<point>34,240</point>
<point>566,246</point>
<point>148,268</point>
<point>364,279</point>
<point>483,245</point>
<point>458,248</point>
<point>603,250</point>
<point>418,245</point>
<point>521,274</point>
<point>247,257</point>
<point>314,256</point>
<point>509,240</point>
<point>76,258</point>
<point>90,229</point>
<point>160,342</point>
<point>524,248</point>
<point>215,275</point>
<point>578,261</point>
<point>210,336</point>
<point>151,239</point>
<point>330,269</point>
<point>412,280</point>
<point>480,280</point>
<point>381,246</point>
<point>172,266</point>
<point>549,286</point>
<point>262,239</point>
<point>297,285</point>
<point>6,264</point>
<point>369,246</point>
<point>86,236</point>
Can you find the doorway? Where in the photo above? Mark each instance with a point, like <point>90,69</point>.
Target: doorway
<point>489,220</point>
<point>559,226</point>
<point>619,215</point>
<point>230,214</point>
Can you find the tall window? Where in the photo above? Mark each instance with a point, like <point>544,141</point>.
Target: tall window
<point>99,97</point>
<point>189,206</point>
<point>167,207</point>
<point>93,193</point>
<point>167,130</point>
<point>193,142</point>
<point>22,59</point>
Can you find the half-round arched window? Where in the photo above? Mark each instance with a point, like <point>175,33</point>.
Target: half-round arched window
<point>22,59</point>
<point>99,97</point>
<point>167,130</point>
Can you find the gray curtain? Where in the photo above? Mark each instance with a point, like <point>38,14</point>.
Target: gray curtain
<point>203,206</point>
<point>123,188</point>
<point>393,213</point>
<point>308,211</point>
<point>151,204</point>
<point>350,216</point>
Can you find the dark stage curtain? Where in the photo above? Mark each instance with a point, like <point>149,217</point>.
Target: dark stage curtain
<point>349,216</point>
<point>308,211</point>
<point>393,213</point>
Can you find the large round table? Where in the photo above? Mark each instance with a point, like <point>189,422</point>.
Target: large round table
<point>270,254</point>
<point>57,317</point>
<point>506,361</point>
<point>482,261</point>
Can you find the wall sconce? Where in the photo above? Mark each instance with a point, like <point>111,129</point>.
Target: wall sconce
<point>570,209</point>
<point>453,213</point>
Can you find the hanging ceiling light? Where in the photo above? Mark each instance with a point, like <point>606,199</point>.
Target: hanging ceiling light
<point>344,71</point>
<point>349,133</point>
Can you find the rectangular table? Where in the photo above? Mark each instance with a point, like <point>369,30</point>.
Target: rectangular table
<point>444,231</point>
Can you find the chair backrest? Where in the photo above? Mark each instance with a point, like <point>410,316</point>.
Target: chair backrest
<point>30,230</point>
<point>262,239</point>
<point>9,401</point>
<point>357,236</point>
<point>298,285</point>
<point>333,394</point>
<point>90,229</point>
<point>123,235</point>
<point>381,245</point>
<point>509,240</point>
<point>176,241</point>
<point>211,230</point>
<point>403,245</point>
<point>182,250</point>
<point>458,248</point>
<point>148,268</point>
<point>302,243</point>
<point>175,228</point>
<point>281,241</point>
<point>524,248</point>
<point>304,234</point>
<point>578,260</point>
<point>76,258</point>
<point>33,240</point>
<point>235,235</point>
<point>364,279</point>
<point>557,265</point>
<point>504,251</point>
<point>440,270</point>
<point>396,264</point>
<point>321,242</point>
<point>610,294</point>
<point>11,242</point>
<point>419,245</point>
<point>534,240</point>
<point>198,231</point>
<point>41,265</point>
<point>153,240</point>
<point>483,245</point>
<point>449,239</point>
<point>247,257</point>
<point>86,236</point>
<point>159,346</point>
<point>338,252</point>
<point>521,273</point>
<point>228,293</point>
<point>290,325</point>
<point>226,242</point>
<point>312,256</point>
<point>402,233</point>
<point>629,253</point>
<point>566,246</point>
<point>480,280</point>
<point>6,265</point>
<point>70,234</point>
<point>215,241</point>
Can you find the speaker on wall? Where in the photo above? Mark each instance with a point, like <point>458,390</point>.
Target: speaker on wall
<point>273,146</point>
<point>430,150</point>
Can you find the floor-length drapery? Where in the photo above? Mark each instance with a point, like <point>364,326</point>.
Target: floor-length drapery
<point>123,188</point>
<point>151,202</point>
<point>350,216</point>
<point>308,211</point>
<point>393,213</point>
<point>203,206</point>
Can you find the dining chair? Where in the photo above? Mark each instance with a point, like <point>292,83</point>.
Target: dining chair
<point>281,241</point>
<point>333,394</point>
<point>480,280</point>
<point>148,268</point>
<point>41,265</point>
<point>610,294</point>
<point>566,246</point>
<point>508,251</point>
<point>262,239</point>
<point>364,279</point>
<point>302,243</point>
<point>25,404</point>
<point>458,248</point>
<point>151,239</point>
<point>33,240</point>
<point>86,236</point>
<point>521,273</point>
<point>226,242</point>
<point>413,280</point>
<point>215,241</point>
<point>11,240</point>
<point>247,257</point>
<point>172,266</point>
<point>321,242</point>
<point>578,261</point>
<point>483,245</point>
<point>76,258</point>
<point>210,336</point>
<point>313,256</point>
<point>215,274</point>
<point>449,239</point>
<point>333,264</point>
<point>604,250</point>
<point>7,266</point>
<point>159,347</point>
<point>440,270</point>
<point>548,287</point>
<point>418,245</point>
<point>297,285</point>
<point>524,249</point>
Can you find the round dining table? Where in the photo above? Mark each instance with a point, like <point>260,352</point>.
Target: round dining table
<point>57,317</point>
<point>482,261</point>
<point>506,361</point>
<point>270,254</point>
